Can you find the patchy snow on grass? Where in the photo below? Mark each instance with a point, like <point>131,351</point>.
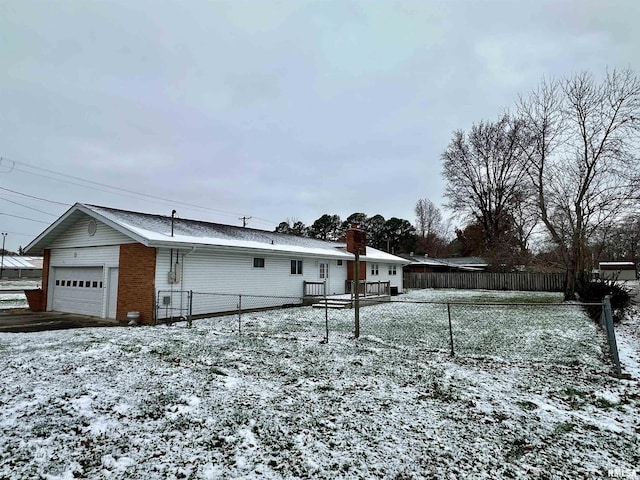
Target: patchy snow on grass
<point>207,403</point>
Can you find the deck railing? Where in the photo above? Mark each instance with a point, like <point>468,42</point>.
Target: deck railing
<point>314,289</point>
<point>368,288</point>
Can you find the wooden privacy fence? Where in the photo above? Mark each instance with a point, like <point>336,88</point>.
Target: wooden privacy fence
<point>536,282</point>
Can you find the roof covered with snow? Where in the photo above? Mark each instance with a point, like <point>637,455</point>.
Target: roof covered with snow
<point>162,231</point>
<point>22,263</point>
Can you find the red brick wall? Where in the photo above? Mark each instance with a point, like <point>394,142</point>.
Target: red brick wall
<point>351,270</point>
<point>356,241</point>
<point>136,282</point>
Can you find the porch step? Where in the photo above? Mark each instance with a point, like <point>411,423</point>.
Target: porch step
<point>332,303</point>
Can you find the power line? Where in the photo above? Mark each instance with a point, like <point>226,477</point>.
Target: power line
<point>120,189</point>
<point>24,218</point>
<point>33,196</point>
<point>27,206</point>
<point>30,235</point>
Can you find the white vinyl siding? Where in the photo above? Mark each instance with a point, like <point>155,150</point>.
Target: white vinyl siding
<point>78,235</point>
<point>233,273</point>
<point>384,276</point>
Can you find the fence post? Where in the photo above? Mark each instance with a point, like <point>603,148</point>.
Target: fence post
<point>190,316</point>
<point>239,314</point>
<point>607,319</point>
<point>157,307</point>
<point>450,328</point>
<point>356,305</point>
<point>326,315</point>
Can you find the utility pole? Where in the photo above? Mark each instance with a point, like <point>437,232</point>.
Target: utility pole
<point>244,221</point>
<point>4,236</point>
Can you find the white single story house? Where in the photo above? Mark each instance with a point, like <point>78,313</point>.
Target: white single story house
<point>107,262</point>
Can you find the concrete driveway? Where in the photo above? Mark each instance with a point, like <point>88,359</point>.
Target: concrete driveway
<point>23,320</point>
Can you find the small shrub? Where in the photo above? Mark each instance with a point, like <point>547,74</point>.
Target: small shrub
<point>595,291</point>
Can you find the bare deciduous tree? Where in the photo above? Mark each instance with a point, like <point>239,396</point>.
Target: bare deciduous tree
<point>486,176</point>
<point>430,228</point>
<point>583,157</point>
<point>428,218</point>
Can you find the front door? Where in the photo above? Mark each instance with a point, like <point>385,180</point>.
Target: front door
<point>323,273</point>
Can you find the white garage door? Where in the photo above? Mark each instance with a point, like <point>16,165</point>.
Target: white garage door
<point>78,290</point>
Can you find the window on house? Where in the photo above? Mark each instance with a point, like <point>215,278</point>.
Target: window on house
<point>296,267</point>
<point>258,262</point>
<point>392,269</point>
<point>323,270</point>
<point>338,262</point>
<point>374,269</point>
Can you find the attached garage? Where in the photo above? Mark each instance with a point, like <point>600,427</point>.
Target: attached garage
<point>78,290</point>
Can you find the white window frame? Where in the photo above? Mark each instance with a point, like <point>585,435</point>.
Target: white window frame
<point>295,263</point>
<point>392,269</point>
<point>375,269</point>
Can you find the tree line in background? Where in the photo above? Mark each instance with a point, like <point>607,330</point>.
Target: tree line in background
<point>428,236</point>
<point>564,164</point>
<point>393,235</point>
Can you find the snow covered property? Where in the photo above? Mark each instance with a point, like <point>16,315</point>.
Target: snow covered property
<point>207,403</point>
<point>106,262</point>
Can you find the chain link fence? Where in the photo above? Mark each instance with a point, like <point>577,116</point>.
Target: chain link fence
<point>560,333</point>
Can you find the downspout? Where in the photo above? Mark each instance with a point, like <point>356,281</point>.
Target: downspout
<point>193,249</point>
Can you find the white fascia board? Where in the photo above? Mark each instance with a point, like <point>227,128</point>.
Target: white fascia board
<point>50,228</point>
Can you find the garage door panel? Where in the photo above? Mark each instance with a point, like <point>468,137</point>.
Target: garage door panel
<point>78,290</point>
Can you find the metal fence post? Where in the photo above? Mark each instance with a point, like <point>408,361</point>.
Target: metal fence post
<point>450,328</point>
<point>607,318</point>
<point>326,315</point>
<point>239,314</point>
<point>356,306</point>
<point>157,307</point>
<point>190,315</point>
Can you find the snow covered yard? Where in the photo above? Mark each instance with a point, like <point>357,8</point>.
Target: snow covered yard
<point>205,403</point>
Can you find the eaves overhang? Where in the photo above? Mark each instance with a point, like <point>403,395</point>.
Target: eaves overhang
<point>68,219</point>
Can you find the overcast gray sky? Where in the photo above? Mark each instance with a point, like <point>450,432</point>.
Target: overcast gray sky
<point>270,109</point>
